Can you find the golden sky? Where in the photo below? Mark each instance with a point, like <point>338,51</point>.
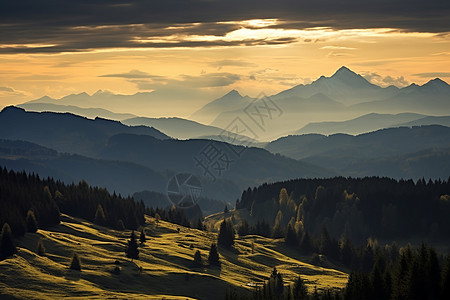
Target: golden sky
<point>196,62</point>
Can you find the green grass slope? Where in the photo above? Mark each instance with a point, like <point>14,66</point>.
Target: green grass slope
<point>165,259</point>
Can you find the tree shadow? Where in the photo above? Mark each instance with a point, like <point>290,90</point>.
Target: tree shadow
<point>73,275</point>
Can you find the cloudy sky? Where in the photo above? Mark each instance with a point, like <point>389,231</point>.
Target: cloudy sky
<point>200,49</point>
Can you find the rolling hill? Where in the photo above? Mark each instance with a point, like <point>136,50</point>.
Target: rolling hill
<point>122,177</point>
<point>252,166</point>
<point>165,258</point>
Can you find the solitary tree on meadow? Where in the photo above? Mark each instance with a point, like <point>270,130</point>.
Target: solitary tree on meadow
<point>213,257</point>
<point>132,250</point>
<point>75,264</point>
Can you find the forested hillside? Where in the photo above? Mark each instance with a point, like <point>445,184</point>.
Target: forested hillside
<point>22,194</point>
<point>374,207</point>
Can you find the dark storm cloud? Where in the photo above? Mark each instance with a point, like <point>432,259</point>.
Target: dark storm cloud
<point>68,26</point>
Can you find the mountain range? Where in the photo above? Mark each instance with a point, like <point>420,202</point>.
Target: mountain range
<point>186,129</point>
<point>373,122</point>
<point>343,96</point>
<point>130,159</point>
<point>397,132</point>
<point>401,152</point>
<point>65,132</point>
<point>90,112</point>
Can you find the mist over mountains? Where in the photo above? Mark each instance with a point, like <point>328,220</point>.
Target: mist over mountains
<point>396,132</point>
<point>130,159</point>
<point>343,96</point>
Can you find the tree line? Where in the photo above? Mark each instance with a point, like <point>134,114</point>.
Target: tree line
<point>359,208</point>
<point>26,199</point>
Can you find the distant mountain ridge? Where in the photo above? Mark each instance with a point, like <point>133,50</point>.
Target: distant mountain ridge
<point>229,102</point>
<point>81,111</point>
<point>344,95</point>
<point>362,124</point>
<point>65,132</point>
<point>344,86</point>
<point>188,129</point>
<point>144,149</point>
<point>402,152</point>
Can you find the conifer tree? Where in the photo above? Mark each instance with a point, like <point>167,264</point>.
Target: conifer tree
<point>31,221</point>
<point>132,250</point>
<point>198,262</point>
<point>226,234</point>
<point>75,264</point>
<point>40,249</point>
<point>276,283</point>
<point>213,257</point>
<point>142,237</point>
<point>291,237</point>
<point>445,280</point>
<point>7,246</point>
<point>299,289</point>
<point>100,217</point>
<point>120,225</point>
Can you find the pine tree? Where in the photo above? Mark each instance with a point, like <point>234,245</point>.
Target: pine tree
<point>40,249</point>
<point>157,218</point>
<point>299,289</point>
<point>198,262</point>
<point>291,237</point>
<point>120,226</point>
<point>347,251</point>
<point>400,276</point>
<point>244,228</point>
<point>132,250</point>
<point>31,222</point>
<point>226,234</point>
<point>213,257</point>
<point>432,274</point>
<point>277,230</point>
<point>306,243</point>
<point>7,246</point>
<point>142,237</point>
<point>225,210</point>
<point>75,264</point>
<point>199,224</point>
<point>100,217</point>
<point>445,279</point>
<point>276,282</point>
<point>283,197</point>
<point>377,283</point>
